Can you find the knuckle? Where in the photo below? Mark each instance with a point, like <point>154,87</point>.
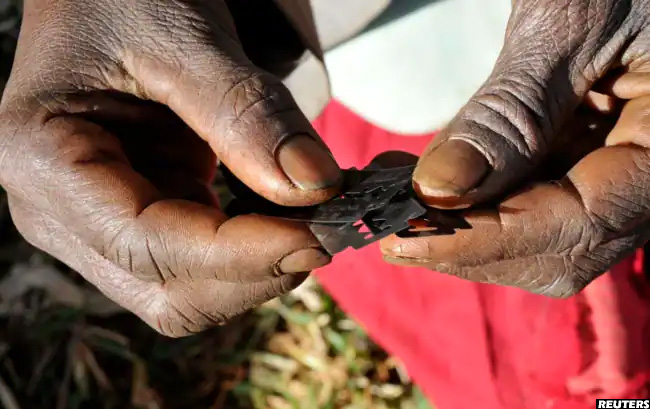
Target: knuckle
<point>35,141</point>
<point>169,319</point>
<point>620,201</point>
<point>615,211</point>
<point>257,95</point>
<point>511,116</point>
<point>609,214</point>
<point>136,250</point>
<point>584,263</point>
<point>568,281</point>
<point>241,84</point>
<point>575,236</point>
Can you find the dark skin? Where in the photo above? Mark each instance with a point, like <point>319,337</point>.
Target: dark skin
<point>116,113</point>
<point>113,120</point>
<point>575,180</point>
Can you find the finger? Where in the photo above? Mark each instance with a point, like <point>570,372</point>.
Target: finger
<point>550,238</point>
<point>390,159</point>
<point>203,304</point>
<point>550,59</point>
<point>91,188</point>
<point>602,103</point>
<point>198,69</point>
<point>627,85</point>
<point>248,117</point>
<point>175,309</point>
<point>633,126</point>
<point>501,243</point>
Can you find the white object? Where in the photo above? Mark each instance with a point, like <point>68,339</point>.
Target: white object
<point>413,74</point>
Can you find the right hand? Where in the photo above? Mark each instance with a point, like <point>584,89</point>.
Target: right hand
<point>555,175</point>
<point>111,124</point>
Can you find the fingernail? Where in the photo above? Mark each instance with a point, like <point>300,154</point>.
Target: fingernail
<point>450,171</point>
<point>308,164</point>
<point>303,261</point>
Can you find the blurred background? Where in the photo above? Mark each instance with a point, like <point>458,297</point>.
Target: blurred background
<point>63,345</point>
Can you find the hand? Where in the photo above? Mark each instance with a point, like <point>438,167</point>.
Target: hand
<point>110,125</point>
<point>546,130</point>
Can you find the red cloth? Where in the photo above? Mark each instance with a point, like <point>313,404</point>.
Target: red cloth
<point>470,344</point>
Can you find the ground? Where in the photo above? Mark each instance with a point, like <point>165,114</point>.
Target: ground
<point>63,345</point>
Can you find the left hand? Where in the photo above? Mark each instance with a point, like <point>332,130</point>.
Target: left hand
<point>110,128</point>
<point>580,177</point>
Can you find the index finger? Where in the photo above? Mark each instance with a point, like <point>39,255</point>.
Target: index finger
<point>506,245</point>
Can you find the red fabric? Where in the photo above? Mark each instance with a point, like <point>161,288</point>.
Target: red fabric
<point>469,344</point>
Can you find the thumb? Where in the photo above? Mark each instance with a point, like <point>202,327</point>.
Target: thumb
<point>248,117</point>
<point>551,57</point>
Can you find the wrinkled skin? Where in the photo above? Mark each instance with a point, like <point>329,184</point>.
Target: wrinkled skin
<point>562,172</point>
<point>112,123</point>
<point>116,113</point>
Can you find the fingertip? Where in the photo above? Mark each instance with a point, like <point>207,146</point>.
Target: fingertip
<point>446,174</point>
<point>308,164</point>
<point>254,247</point>
<point>626,85</point>
<point>303,261</point>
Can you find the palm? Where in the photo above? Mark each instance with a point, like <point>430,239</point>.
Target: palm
<point>160,147</point>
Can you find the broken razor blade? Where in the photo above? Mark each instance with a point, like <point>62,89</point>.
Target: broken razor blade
<point>375,203</point>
